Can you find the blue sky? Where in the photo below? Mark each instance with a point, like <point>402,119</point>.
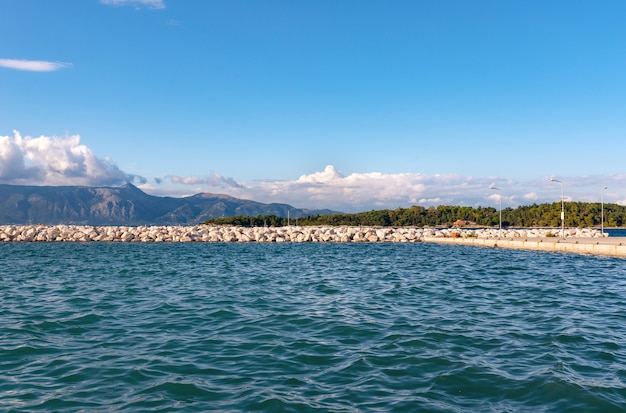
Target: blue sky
<point>347,105</point>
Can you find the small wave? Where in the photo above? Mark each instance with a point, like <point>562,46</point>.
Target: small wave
<point>342,328</point>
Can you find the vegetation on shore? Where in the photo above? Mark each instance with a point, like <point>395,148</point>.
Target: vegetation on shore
<point>577,214</point>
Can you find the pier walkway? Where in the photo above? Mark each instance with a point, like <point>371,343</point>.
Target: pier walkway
<point>608,246</point>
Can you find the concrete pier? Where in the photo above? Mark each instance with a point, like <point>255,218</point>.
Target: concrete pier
<point>608,246</point>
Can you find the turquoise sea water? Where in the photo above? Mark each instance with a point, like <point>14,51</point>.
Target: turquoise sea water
<point>309,328</point>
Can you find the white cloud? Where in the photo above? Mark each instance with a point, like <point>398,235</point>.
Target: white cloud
<point>329,175</point>
<point>151,4</point>
<point>56,161</point>
<point>65,161</point>
<point>331,189</point>
<point>214,179</point>
<point>33,65</point>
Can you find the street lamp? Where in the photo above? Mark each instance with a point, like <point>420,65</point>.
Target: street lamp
<point>562,206</point>
<point>602,219</point>
<point>500,196</point>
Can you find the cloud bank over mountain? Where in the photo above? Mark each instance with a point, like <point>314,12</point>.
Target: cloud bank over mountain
<point>355,192</point>
<point>56,161</point>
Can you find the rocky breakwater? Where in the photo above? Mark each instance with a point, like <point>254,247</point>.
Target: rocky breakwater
<point>525,233</point>
<point>204,233</point>
<point>210,233</point>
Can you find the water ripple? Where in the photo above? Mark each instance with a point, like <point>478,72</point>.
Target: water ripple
<point>309,328</point>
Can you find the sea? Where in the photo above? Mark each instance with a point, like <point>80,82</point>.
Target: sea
<point>615,232</point>
<point>317,327</point>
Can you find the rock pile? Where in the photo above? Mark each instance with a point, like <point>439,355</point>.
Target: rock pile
<point>521,233</point>
<point>210,233</point>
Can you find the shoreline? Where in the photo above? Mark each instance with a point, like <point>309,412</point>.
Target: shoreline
<point>577,240</point>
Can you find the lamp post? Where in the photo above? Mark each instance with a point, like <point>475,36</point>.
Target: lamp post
<point>500,196</point>
<point>562,206</point>
<point>602,208</point>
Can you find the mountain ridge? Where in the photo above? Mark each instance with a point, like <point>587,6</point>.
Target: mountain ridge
<point>126,205</point>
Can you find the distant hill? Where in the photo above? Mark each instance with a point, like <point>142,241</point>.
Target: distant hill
<point>125,205</point>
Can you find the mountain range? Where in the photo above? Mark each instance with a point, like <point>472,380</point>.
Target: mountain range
<point>126,205</point>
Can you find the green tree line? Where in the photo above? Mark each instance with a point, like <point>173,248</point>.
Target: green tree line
<point>577,214</point>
